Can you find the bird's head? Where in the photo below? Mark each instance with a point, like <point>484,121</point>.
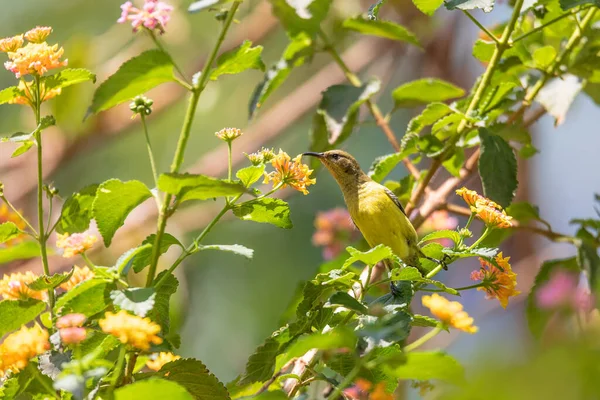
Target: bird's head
<point>344,168</point>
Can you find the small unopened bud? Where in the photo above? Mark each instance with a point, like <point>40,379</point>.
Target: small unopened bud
<point>464,232</point>
<point>229,134</point>
<point>72,335</point>
<point>141,105</point>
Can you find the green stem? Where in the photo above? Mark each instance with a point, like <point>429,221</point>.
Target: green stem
<point>471,217</point>
<point>114,381</point>
<point>184,137</point>
<point>346,382</point>
<point>229,161</point>
<point>37,375</point>
<point>179,71</point>
<point>89,262</point>
<point>483,28</point>
<point>423,339</point>
<point>367,286</point>
<point>19,215</point>
<point>547,24</point>
<point>150,152</point>
<point>477,285</point>
<point>130,366</point>
<point>483,236</point>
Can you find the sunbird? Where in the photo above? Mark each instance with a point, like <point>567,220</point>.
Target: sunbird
<point>375,209</point>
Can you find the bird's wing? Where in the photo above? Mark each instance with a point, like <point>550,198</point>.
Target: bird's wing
<point>395,199</point>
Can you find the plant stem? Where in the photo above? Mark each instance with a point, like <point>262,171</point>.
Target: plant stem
<point>89,262</point>
<point>36,374</point>
<point>150,152</point>
<point>42,237</point>
<point>483,28</point>
<point>483,235</point>
<point>131,360</point>
<point>423,339</point>
<point>114,381</point>
<point>158,44</point>
<point>471,217</point>
<point>547,24</point>
<point>19,215</point>
<point>347,381</point>
<point>475,286</point>
<point>183,139</point>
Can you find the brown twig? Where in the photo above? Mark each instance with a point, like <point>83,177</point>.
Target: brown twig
<point>268,383</point>
<point>459,210</point>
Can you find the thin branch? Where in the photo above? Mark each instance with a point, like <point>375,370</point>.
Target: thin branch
<point>459,210</point>
<point>483,28</point>
<point>268,383</point>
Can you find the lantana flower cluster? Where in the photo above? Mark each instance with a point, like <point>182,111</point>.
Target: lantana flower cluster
<point>153,15</point>
<point>130,329</point>
<point>488,211</point>
<point>450,313</point>
<point>74,244</point>
<point>21,346</point>
<point>497,283</point>
<point>290,172</point>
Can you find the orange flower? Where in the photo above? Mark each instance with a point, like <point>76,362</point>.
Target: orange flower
<point>156,361</point>
<point>131,329</point>
<point>35,58</point>
<point>38,34</point>
<point>290,172</point>
<point>496,283</point>
<point>14,287</point>
<point>6,215</point>
<point>229,134</point>
<point>74,244</point>
<point>449,312</point>
<point>79,275</point>
<point>21,346</point>
<point>492,217</point>
<point>471,197</point>
<point>27,98</point>
<point>11,43</point>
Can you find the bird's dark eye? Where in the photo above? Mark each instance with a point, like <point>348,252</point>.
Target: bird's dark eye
<point>335,156</point>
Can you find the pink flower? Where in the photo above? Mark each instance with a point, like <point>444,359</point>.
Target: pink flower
<point>563,290</point>
<point>335,231</point>
<point>72,335</point>
<point>70,321</point>
<point>154,15</point>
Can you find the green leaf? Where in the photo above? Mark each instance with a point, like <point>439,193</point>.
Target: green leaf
<point>23,148</point>
<point>297,17</point>
<point>299,49</point>
<point>543,56</point>
<point>16,313</point>
<point>338,338</point>
<point>68,77</point>
<point>143,257</point>
<point>443,234</point>
<point>202,5</point>
<point>250,174</point>
<point>428,365</point>
<point>455,163</point>
<point>125,261</point>
<point>498,168</point>
<point>337,113</point>
<point>195,377</point>
<point>231,248</point>
<point>50,282</point>
<point>383,165</point>
<point>267,210</point>
<point>369,257</point>
<point>313,294</point>
<point>10,93</point>
<point>428,6</point>
<point>344,299</point>
<point>89,297</point>
<point>392,327</point>
<point>137,300</point>
<point>153,389</point>
<point>19,251</point>
<point>483,50</point>
<point>558,95</point>
<point>77,211</point>
<point>16,384</point>
<point>433,250</point>
<point>197,187</point>
<point>261,364</point>
<point>385,29</point>
<point>485,5</point>
<point>523,212</point>
<point>424,91</point>
<point>568,4</point>
<point>423,320</point>
<point>238,60</point>
<point>136,76</point>
<point>161,311</point>
<point>406,274</point>
<point>401,295</point>
<point>432,113</point>
<point>113,203</point>
<point>8,231</point>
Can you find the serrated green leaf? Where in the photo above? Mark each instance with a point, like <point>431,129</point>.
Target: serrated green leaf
<point>250,174</point>
<point>344,299</point>
<point>23,148</point>
<point>443,234</point>
<point>337,338</point>
<point>385,29</point>
<point>267,210</point>
<point>161,311</point>
<point>495,95</point>
<point>137,300</point>
<point>428,6</point>
<point>297,17</point>
<point>195,378</point>
<point>113,203</point>
<point>424,91</point>
<point>383,165</point>
<point>261,364</point>
<point>483,50</point>
<point>231,248</point>
<point>202,5</point>
<point>197,187</point>
<point>392,327</point>
<point>433,250</point>
<point>68,77</point>
<point>406,274</point>
<point>136,76</point>
<point>10,93</point>
<point>238,60</point>
<point>432,113</point>
<point>338,278</point>
<point>313,294</point>
<point>8,231</point>
<point>153,389</point>
<point>16,313</point>
<point>50,282</point>
<point>424,320</point>
<point>369,257</point>
<point>523,212</point>
<point>143,257</point>
<point>429,365</point>
<point>125,260</point>
<point>77,211</point>
<point>89,297</point>
<point>485,5</point>
<point>498,168</point>
<point>455,163</point>
<point>19,251</point>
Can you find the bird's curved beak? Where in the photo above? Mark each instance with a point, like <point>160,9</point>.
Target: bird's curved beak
<point>313,154</point>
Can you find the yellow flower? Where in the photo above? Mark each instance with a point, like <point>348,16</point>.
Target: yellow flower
<point>14,287</point>
<point>34,58</point>
<point>74,244</point>
<point>38,34</point>
<point>79,275</point>
<point>492,217</point>
<point>261,157</point>
<point>156,361</point>
<point>471,197</point>
<point>11,43</point>
<point>21,346</point>
<point>229,134</point>
<point>6,215</point>
<point>290,172</point>
<point>27,98</point>
<point>449,312</point>
<point>131,329</point>
<point>497,284</point>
